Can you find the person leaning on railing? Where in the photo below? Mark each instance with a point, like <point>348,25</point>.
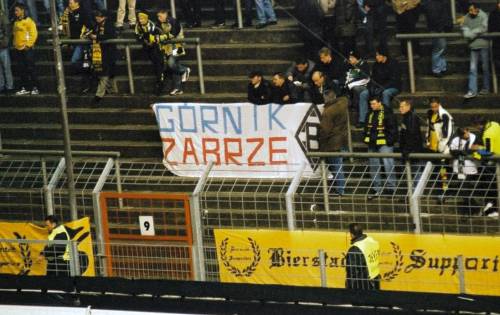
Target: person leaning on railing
<point>57,255</point>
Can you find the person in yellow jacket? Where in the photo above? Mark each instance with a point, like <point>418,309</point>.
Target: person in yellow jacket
<point>57,255</point>
<point>24,38</point>
<point>362,261</point>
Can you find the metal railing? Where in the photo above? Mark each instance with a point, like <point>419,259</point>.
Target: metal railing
<point>411,67</point>
<point>132,42</point>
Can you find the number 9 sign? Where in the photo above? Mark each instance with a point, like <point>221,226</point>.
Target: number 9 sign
<point>146,224</point>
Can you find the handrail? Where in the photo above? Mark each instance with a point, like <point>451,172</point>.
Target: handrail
<point>416,156</point>
<point>129,41</point>
<point>59,153</point>
<point>411,66</point>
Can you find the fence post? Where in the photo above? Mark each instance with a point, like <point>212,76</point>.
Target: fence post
<point>49,191</point>
<point>494,80</point>
<point>197,249</point>
<point>409,179</point>
<point>118,181</point>
<point>173,11</point>
<point>322,268</point>
<point>200,67</point>
<point>129,70</point>
<point>324,181</point>
<point>415,197</point>
<point>461,274</point>
<point>290,207</point>
<point>238,14</point>
<point>411,67</point>
<point>74,259</point>
<point>453,11</point>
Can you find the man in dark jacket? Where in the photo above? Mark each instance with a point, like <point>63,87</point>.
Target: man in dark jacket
<point>6,80</point>
<point>386,78</point>
<point>439,20</point>
<point>300,73</point>
<point>283,91</point>
<point>333,134</point>
<point>362,261</point>
<point>321,86</point>
<point>494,26</point>
<point>410,136</point>
<point>381,133</point>
<point>333,68</point>
<point>57,255</point>
<point>259,89</point>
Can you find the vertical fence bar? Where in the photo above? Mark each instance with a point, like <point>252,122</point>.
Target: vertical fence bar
<point>349,135</point>
<point>453,9</point>
<point>411,66</point>
<point>173,11</point>
<point>409,179</point>
<point>118,181</point>
<point>200,66</point>
<point>461,274</point>
<point>494,80</point>
<point>239,14</point>
<point>322,268</point>
<point>49,192</point>
<point>324,182</point>
<point>197,228</point>
<point>415,197</point>
<point>290,206</point>
<point>74,259</point>
<point>129,70</point>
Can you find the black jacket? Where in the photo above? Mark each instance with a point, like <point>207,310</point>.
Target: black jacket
<point>334,70</point>
<point>109,51</point>
<point>260,95</point>
<point>318,93</point>
<point>357,270</point>
<point>387,74</point>
<point>390,128</point>
<point>410,136</point>
<point>288,88</point>
<point>76,20</point>
<point>438,15</point>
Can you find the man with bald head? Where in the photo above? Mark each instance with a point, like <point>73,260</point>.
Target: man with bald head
<point>321,85</point>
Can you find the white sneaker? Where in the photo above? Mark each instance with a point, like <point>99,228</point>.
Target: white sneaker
<point>35,91</point>
<point>176,92</point>
<point>185,75</point>
<point>488,206</point>
<point>313,207</point>
<point>470,95</point>
<point>493,214</point>
<point>23,91</point>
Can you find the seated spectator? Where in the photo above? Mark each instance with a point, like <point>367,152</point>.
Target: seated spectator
<point>120,14</point>
<point>282,90</point>
<point>385,79</point>
<point>357,80</point>
<point>25,35</point>
<point>494,26</point>
<point>300,73</point>
<point>259,89</point>
<point>333,68</point>
<point>321,86</point>
<point>265,13</point>
<point>6,80</point>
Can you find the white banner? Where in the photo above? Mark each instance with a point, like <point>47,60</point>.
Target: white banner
<point>242,139</point>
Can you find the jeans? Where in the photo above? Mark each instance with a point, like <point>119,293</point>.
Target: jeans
<point>6,80</point>
<point>265,11</point>
<point>361,95</point>
<point>375,169</point>
<point>176,69</point>
<point>475,54</point>
<point>77,55</point>
<point>438,50</point>
<point>336,167</point>
<point>59,6</point>
<point>388,95</point>
<point>26,65</point>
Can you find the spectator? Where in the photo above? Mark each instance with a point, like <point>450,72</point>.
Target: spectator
<point>375,23</point>
<point>439,20</point>
<point>59,7</point>
<point>120,14</point>
<point>386,78</point>
<point>300,73</point>
<point>380,136</point>
<point>333,134</point>
<point>494,26</point>
<point>282,90</point>
<point>407,14</point>
<point>410,136</point>
<point>475,25</point>
<point>357,80</point>
<point>6,80</point>
<point>57,255</point>
<point>192,13</point>
<point>321,86</point>
<point>345,26</point>
<point>265,13</point>
<point>103,55</point>
<point>333,68</point>
<point>259,89</point>
<point>25,35</point>
<point>148,34</point>
<point>31,11</point>
<point>170,29</point>
<point>220,14</point>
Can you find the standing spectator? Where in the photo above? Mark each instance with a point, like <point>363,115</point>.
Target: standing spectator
<point>282,90</point>
<point>6,80</point>
<point>265,13</point>
<point>345,26</point>
<point>475,25</point>
<point>321,86</point>
<point>407,14</point>
<point>57,255</point>
<point>386,78</point>
<point>494,26</point>
<point>333,68</point>
<point>376,24</point>
<point>410,136</point>
<point>103,55</point>
<point>259,89</point>
<point>31,11</point>
<point>357,79</point>
<point>380,135</point>
<point>170,28</point>
<point>439,20</point>
<point>362,261</point>
<point>120,14</point>
<point>333,133</point>
<point>192,13</point>
<point>300,73</point>
<point>25,35</point>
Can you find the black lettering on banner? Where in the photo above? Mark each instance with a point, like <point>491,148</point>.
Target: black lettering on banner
<point>277,259</point>
<point>472,266</point>
<point>418,259</point>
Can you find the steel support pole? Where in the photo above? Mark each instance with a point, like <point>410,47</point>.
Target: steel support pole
<point>173,11</point>
<point>461,274</point>
<point>349,135</point>
<point>74,259</point>
<point>201,77</point>
<point>411,66</point>
<point>289,197</point>
<point>239,14</point>
<point>324,182</point>
<point>415,197</point>
<point>453,9</point>
<point>409,178</point>
<point>61,88</point>
<point>129,70</point>
<point>322,268</point>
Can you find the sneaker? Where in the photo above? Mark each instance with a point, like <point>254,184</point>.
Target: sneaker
<point>470,95</point>
<point>35,91</point>
<point>484,92</point>
<point>488,206</point>
<point>176,92</point>
<point>185,75</point>
<point>494,214</point>
<point>23,91</point>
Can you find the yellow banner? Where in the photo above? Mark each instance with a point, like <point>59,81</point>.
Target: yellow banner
<point>23,259</point>
<point>408,262</point>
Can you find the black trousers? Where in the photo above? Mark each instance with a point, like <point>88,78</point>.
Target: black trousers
<point>156,58</point>
<point>406,22</point>
<point>376,25</point>
<point>26,65</point>
<point>192,11</point>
